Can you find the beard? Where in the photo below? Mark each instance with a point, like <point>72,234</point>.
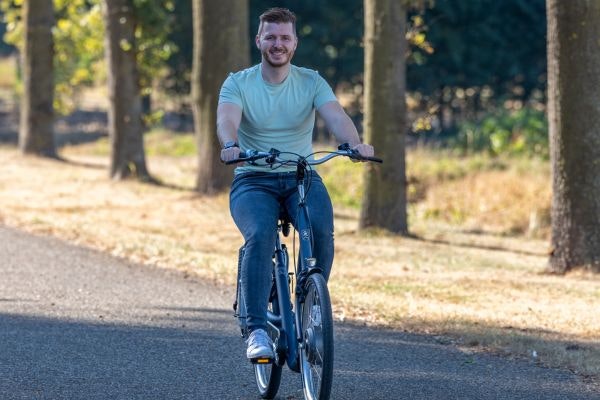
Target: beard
<point>284,58</point>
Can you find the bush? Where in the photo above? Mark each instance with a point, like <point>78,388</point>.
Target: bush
<point>515,132</point>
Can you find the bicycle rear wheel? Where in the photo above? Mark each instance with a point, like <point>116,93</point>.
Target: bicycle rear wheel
<point>316,355</point>
<point>268,376</point>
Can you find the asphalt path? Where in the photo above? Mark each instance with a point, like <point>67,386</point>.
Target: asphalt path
<point>79,324</point>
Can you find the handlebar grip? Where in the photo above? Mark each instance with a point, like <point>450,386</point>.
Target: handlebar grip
<point>244,156</point>
<point>356,155</point>
<point>237,160</point>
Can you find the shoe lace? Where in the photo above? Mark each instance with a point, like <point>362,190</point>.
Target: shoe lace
<point>259,338</point>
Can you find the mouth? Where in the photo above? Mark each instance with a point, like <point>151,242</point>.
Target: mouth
<point>277,56</point>
<point>278,52</point>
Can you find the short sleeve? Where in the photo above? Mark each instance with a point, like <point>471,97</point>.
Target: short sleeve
<point>323,92</point>
<point>230,92</point>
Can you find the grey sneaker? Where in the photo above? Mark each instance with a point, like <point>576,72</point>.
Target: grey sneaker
<point>260,345</point>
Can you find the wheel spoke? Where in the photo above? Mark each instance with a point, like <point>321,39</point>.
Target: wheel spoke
<point>317,328</point>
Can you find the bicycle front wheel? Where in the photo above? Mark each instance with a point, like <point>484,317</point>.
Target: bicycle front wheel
<point>316,355</point>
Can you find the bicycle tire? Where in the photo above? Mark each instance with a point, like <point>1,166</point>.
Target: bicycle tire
<point>268,376</point>
<point>316,355</point>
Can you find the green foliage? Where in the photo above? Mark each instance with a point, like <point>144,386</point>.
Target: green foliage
<point>5,48</point>
<point>79,49</point>
<point>465,57</point>
<point>154,23</point>
<point>517,132</point>
<point>481,43</point>
<point>177,77</point>
<point>11,18</point>
<point>470,56</point>
<point>79,43</point>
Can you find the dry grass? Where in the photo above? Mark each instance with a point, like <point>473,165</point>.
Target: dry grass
<point>461,278</point>
<point>8,76</point>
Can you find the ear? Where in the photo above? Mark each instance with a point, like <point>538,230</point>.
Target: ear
<point>257,41</point>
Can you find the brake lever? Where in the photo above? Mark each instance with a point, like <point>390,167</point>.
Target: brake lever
<point>272,159</point>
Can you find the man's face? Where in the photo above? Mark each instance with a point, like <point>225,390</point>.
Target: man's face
<point>277,43</point>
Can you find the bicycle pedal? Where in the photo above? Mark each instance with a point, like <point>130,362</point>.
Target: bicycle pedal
<point>262,360</point>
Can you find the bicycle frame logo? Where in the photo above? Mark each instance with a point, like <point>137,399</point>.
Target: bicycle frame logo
<point>305,234</point>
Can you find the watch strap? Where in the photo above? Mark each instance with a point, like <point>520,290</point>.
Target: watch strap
<point>229,145</point>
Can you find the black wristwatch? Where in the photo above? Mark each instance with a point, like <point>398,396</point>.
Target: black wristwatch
<point>229,145</point>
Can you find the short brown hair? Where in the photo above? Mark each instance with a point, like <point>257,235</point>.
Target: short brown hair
<point>278,15</point>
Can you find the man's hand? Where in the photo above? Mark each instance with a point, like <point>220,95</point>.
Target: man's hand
<point>365,150</point>
<point>230,154</point>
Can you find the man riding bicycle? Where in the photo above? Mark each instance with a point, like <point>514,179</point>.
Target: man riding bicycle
<point>272,105</point>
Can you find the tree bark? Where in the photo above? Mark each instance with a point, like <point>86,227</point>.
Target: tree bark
<point>36,128</point>
<point>221,45</point>
<point>125,124</point>
<point>384,202</point>
<point>574,124</point>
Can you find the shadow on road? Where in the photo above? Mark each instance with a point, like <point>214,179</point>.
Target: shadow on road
<point>55,359</point>
<point>426,368</point>
<point>44,358</point>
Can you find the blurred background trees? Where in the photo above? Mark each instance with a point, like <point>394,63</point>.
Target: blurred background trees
<point>473,66</point>
<point>476,79</point>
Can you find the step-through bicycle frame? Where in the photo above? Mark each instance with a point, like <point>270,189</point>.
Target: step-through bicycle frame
<point>287,321</point>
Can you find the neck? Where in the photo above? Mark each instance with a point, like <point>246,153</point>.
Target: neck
<point>272,74</point>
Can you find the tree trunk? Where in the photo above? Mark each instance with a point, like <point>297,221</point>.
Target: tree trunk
<point>221,45</point>
<point>125,109</point>
<point>384,202</point>
<point>36,129</point>
<point>574,123</point>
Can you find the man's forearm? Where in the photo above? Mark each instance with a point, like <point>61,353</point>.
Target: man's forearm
<point>345,132</point>
<point>228,121</point>
<point>226,131</point>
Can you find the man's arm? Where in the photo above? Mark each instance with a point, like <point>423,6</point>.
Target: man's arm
<point>342,127</point>
<point>229,116</point>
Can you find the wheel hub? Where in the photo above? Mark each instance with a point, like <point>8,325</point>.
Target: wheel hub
<point>313,345</point>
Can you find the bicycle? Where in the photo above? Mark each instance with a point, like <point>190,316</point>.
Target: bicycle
<point>303,340</point>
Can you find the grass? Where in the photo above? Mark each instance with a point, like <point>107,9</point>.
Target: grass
<point>472,274</point>
<point>157,141</point>
<point>503,196</point>
<point>8,68</point>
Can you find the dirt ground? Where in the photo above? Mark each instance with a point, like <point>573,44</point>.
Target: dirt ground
<point>478,290</point>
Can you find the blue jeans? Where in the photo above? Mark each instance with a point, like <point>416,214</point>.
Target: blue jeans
<point>255,200</point>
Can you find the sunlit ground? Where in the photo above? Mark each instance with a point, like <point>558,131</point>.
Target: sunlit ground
<point>475,278</point>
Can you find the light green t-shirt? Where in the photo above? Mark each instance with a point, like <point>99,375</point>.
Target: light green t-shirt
<point>279,116</point>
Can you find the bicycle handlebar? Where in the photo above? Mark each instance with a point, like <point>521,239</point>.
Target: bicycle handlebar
<point>272,156</point>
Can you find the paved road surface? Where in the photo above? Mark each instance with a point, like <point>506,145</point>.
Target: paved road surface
<point>78,324</point>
